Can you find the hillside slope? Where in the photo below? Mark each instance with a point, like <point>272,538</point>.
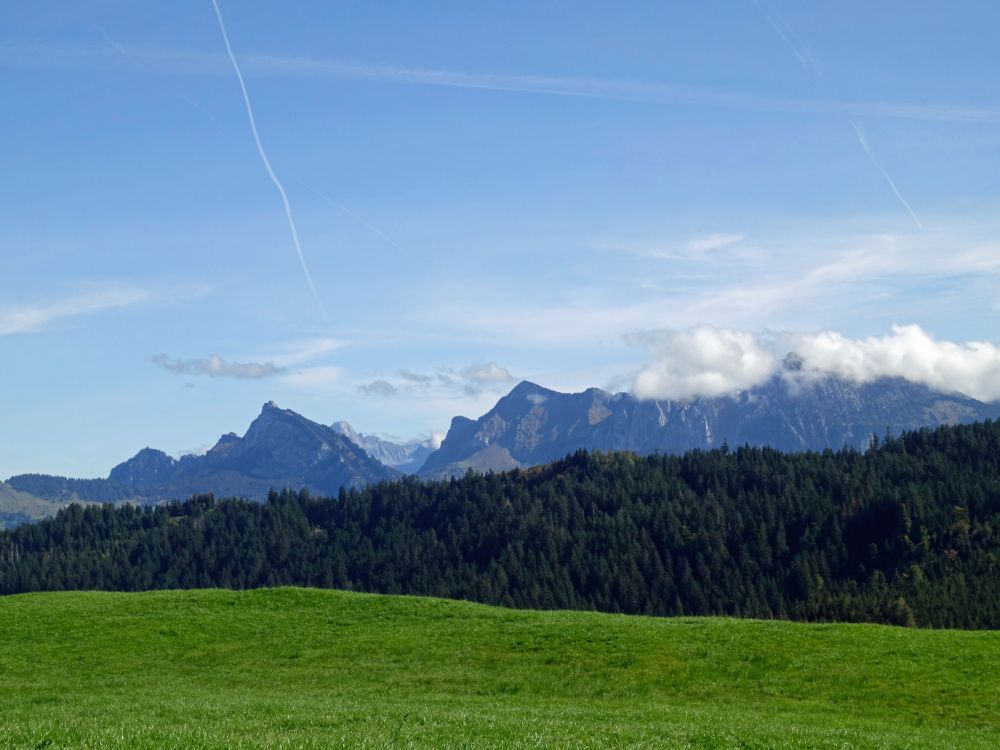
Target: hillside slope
<point>317,669</point>
<point>18,507</point>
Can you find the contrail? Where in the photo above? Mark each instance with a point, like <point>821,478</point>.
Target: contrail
<point>788,35</point>
<point>267,165</point>
<point>335,203</point>
<point>355,215</point>
<point>864,144</point>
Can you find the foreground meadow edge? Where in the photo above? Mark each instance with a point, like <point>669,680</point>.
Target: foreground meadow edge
<point>307,668</point>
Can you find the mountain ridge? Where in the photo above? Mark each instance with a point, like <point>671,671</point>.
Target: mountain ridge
<point>528,426</point>
<point>791,412</point>
<point>280,449</point>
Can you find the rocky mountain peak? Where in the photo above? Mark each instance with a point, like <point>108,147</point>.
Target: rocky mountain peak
<point>147,467</point>
<point>280,449</point>
<point>792,362</point>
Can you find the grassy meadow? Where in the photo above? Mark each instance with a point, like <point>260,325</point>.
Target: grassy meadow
<point>299,668</point>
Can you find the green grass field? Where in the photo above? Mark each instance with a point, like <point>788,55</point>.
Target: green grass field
<point>294,668</point>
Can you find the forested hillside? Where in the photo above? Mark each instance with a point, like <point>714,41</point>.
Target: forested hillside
<point>907,532</point>
<point>65,489</point>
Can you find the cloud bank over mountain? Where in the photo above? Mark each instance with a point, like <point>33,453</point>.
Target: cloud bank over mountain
<point>702,361</point>
<point>710,361</point>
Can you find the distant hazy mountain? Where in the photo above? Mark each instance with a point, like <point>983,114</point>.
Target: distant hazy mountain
<point>533,425</point>
<point>280,449</point>
<point>406,457</point>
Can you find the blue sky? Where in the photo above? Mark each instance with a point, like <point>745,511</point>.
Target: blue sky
<point>654,196</point>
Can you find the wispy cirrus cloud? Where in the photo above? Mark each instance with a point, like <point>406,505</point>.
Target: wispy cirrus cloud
<point>695,251</point>
<point>186,62</point>
<point>808,277</point>
<point>319,377</point>
<point>27,318</point>
<point>307,350</point>
<point>717,241</point>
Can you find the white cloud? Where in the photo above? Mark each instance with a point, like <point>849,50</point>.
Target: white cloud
<point>28,318</point>
<point>971,368</point>
<point>702,361</point>
<point>216,367</point>
<point>486,373</point>
<point>707,361</point>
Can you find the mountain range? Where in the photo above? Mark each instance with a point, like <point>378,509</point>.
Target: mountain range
<point>531,425</point>
<point>791,412</point>
<point>280,449</point>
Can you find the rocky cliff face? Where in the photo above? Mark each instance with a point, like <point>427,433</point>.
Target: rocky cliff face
<point>534,425</point>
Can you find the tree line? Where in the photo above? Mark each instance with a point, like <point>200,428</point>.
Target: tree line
<point>907,532</point>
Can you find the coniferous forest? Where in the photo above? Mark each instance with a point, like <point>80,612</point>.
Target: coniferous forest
<point>907,532</point>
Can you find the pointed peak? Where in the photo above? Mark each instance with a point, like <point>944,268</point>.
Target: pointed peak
<point>527,388</point>
<point>271,411</point>
<point>525,385</point>
<point>147,451</point>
